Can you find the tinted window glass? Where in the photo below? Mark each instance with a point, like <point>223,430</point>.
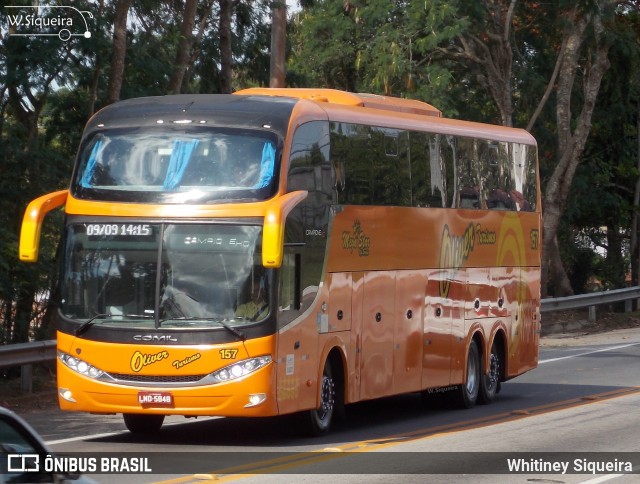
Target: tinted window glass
<point>177,166</point>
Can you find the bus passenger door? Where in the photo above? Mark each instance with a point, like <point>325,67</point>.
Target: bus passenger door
<point>407,350</point>
<point>378,314</point>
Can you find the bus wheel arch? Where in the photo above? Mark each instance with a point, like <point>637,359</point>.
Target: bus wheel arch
<point>331,390</point>
<point>492,369</point>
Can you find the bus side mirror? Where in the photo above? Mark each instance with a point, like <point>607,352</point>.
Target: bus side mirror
<point>32,223</point>
<point>273,230</point>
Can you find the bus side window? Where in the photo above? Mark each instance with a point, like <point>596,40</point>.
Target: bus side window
<point>427,184</point>
<point>522,164</point>
<point>351,144</point>
<point>290,299</point>
<point>306,226</point>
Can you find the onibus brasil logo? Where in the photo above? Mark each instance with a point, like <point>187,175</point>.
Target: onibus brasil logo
<point>63,22</point>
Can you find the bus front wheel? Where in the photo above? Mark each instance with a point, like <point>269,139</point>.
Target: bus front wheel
<point>143,423</point>
<point>469,390</point>
<point>319,419</point>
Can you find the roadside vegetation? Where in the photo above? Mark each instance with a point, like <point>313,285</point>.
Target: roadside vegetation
<point>568,71</point>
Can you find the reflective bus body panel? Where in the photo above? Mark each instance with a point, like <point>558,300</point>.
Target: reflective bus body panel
<point>402,293</point>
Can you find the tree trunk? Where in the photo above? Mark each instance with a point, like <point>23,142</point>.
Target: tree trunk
<point>490,54</point>
<point>24,310</point>
<point>97,68</point>
<point>571,143</point>
<point>226,54</point>
<point>119,51</point>
<point>635,225</point>
<point>614,260</point>
<point>278,44</point>
<point>196,41</point>
<point>559,280</point>
<point>183,55</point>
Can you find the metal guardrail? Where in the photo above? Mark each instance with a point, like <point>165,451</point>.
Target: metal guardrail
<point>591,301</point>
<point>26,354</point>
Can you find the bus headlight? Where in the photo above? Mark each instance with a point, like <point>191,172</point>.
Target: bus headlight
<point>240,369</point>
<point>79,366</point>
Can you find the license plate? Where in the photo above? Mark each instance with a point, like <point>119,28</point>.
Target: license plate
<point>155,399</point>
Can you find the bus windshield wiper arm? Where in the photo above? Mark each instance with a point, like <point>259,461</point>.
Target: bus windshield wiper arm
<point>222,323</point>
<point>88,323</point>
<point>233,330</point>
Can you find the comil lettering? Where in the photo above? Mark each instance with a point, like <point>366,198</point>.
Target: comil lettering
<point>140,360</point>
<point>454,250</point>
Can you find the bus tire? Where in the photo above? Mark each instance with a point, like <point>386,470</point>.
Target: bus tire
<point>318,420</point>
<point>490,380</point>
<point>468,392</point>
<point>143,423</point>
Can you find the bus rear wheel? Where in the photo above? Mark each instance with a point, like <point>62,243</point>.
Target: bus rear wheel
<point>143,423</point>
<point>490,380</point>
<point>319,419</point>
<point>468,392</point>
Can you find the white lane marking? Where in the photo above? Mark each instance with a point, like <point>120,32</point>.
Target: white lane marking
<point>612,348</point>
<point>608,477</point>
<point>120,432</point>
<point>75,439</point>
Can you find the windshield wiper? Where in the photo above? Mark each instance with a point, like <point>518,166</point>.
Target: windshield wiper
<point>233,330</point>
<point>89,322</point>
<point>241,336</point>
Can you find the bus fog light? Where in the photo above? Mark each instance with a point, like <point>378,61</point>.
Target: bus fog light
<point>66,394</point>
<point>256,399</point>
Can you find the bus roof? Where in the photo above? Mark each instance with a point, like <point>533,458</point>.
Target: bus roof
<point>334,96</point>
<point>257,112</point>
<point>390,112</point>
<point>269,108</point>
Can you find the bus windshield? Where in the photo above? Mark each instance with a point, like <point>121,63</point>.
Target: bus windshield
<point>167,165</point>
<point>169,275</point>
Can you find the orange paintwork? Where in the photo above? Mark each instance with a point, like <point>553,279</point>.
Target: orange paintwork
<point>333,96</point>
<point>397,303</point>
<point>219,399</point>
<point>402,261</point>
<point>32,223</point>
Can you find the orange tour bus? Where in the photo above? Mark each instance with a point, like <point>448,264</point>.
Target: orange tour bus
<point>280,251</point>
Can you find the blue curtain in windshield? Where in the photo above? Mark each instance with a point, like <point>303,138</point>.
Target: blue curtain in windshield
<point>85,182</point>
<point>180,155</point>
<point>266,165</point>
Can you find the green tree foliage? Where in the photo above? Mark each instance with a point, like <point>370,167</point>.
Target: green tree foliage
<point>49,87</point>
<point>600,210</point>
<point>491,60</point>
<point>376,46</point>
<point>29,69</point>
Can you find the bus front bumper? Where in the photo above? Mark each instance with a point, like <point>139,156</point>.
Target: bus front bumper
<point>251,396</point>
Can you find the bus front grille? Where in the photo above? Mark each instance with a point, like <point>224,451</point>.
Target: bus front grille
<point>127,379</point>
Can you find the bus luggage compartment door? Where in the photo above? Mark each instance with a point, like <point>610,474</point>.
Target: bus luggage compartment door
<point>378,315</point>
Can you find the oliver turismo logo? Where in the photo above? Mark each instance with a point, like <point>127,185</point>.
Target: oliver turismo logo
<point>63,22</point>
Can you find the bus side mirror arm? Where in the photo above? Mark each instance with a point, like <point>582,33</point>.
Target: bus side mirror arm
<point>273,231</point>
<point>32,223</point>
